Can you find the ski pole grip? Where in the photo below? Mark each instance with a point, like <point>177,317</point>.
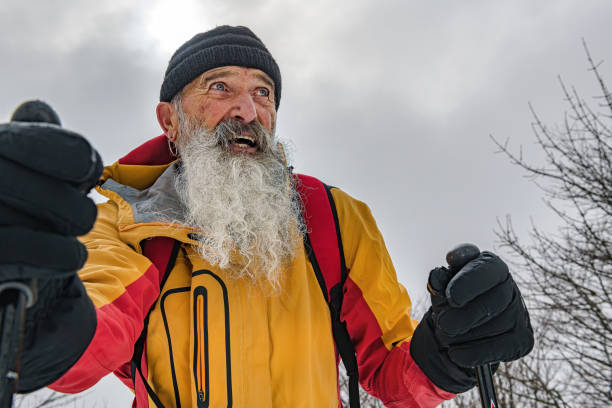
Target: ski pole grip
<point>461,255</point>
<point>456,259</point>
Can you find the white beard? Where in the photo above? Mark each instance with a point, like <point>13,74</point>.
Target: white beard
<point>245,205</point>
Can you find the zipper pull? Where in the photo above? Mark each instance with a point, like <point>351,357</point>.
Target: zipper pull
<point>201,395</point>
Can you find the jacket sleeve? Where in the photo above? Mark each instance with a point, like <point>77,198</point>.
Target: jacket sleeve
<point>376,309</point>
<point>123,285</point>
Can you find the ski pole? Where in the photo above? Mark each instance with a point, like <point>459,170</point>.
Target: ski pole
<point>16,297</point>
<point>456,259</point>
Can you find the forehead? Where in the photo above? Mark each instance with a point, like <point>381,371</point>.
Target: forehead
<point>235,73</point>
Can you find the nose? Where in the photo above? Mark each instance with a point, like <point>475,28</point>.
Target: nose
<point>244,109</point>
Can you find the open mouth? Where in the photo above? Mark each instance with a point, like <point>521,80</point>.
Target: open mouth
<point>244,142</point>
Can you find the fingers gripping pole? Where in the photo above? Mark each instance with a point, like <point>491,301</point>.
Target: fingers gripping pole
<point>456,259</point>
<point>16,296</point>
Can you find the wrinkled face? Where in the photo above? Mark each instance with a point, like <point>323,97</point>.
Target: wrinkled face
<point>234,182</point>
<point>245,95</point>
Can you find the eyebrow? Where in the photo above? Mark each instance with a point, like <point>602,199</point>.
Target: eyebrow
<point>216,75</point>
<point>265,79</point>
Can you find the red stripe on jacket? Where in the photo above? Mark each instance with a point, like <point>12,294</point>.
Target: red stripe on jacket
<point>119,326</point>
<point>159,251</point>
<point>392,376</point>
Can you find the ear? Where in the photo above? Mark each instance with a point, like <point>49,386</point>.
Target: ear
<point>168,120</point>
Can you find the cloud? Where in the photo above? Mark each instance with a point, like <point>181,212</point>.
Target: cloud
<point>392,101</point>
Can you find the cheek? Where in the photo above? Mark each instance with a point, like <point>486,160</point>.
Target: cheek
<point>207,111</point>
<point>267,118</point>
<point>212,115</point>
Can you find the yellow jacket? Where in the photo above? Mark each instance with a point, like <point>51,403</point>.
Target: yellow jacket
<point>214,341</point>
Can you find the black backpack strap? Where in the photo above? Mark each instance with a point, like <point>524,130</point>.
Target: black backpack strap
<point>341,334</point>
<point>339,329</point>
<point>135,363</point>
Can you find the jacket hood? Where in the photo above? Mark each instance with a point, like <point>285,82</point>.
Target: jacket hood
<point>141,184</point>
<point>142,166</point>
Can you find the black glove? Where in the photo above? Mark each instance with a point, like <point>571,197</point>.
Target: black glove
<point>45,175</point>
<point>477,316</point>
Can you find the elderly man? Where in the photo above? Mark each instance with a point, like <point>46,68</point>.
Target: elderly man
<point>210,278</point>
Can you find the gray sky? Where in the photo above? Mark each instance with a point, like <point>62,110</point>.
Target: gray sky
<point>393,101</point>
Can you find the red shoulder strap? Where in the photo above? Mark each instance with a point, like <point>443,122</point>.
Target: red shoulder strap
<point>324,240</point>
<point>322,231</point>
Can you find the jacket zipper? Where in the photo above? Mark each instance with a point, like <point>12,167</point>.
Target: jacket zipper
<point>201,347</point>
<point>200,351</point>
<point>200,367</point>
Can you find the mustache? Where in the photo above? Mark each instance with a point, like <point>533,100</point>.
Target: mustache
<point>229,130</point>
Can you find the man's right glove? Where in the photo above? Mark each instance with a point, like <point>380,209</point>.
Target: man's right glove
<point>477,317</point>
<point>45,175</point>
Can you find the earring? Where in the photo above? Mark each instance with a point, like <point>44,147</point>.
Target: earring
<point>172,148</point>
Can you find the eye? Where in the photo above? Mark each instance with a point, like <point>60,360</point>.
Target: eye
<point>263,92</point>
<point>218,86</point>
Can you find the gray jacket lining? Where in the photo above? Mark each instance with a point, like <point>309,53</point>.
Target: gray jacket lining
<point>157,203</point>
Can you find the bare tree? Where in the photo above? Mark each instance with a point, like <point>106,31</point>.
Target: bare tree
<point>365,399</point>
<point>567,276</point>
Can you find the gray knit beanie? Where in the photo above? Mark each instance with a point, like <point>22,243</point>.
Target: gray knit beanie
<point>221,46</point>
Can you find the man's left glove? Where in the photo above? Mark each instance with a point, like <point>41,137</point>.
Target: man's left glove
<point>46,173</point>
<point>477,316</point>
